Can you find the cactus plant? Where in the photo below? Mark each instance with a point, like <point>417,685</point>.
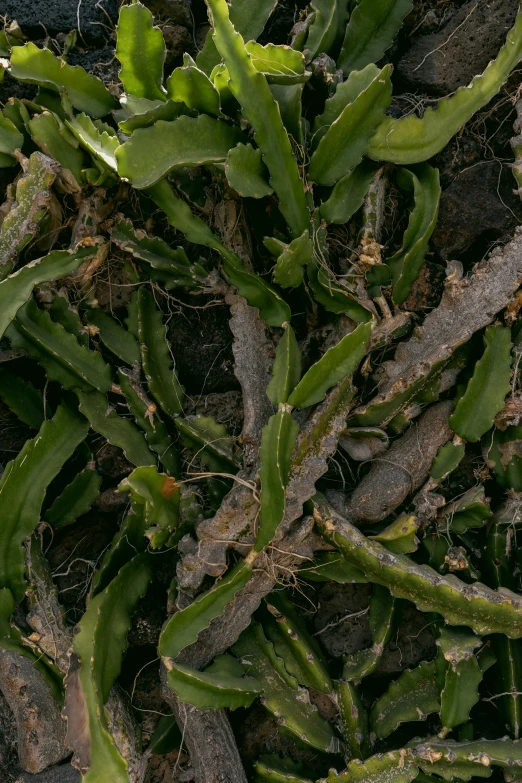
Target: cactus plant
<point>229,181</point>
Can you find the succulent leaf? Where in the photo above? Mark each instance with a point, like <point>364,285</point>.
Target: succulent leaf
<point>485,392</point>
<point>280,64</point>
<point>183,627</point>
<point>140,48</point>
<point>210,441</point>
<point>246,173</point>
<point>272,307</point>
<point>286,369</point>
<point>146,415</point>
<point>160,256</point>
<point>248,17</point>
<point>289,268</point>
<point>166,737</point>
<point>302,655</point>
<point>191,86</point>
<point>406,264</point>
<point>448,458</point>
<point>332,567</point>
<point>39,66</point>
<point>412,697</point>
<point>155,355</point>
<point>333,158</point>
<point>277,444</point>
<point>115,337</point>
<point>289,100</point>
<point>260,109</point>
<point>100,143</point>
<point>353,719</point>
<point>75,500</point>
<point>186,141</point>
<point>181,217</point>
<point>259,294</point>
<point>117,430</point>
<point>273,769</point>
<point>336,364</point>
<point>53,138</point>
<point>16,289</point>
<point>400,536</point>
<point>64,359</point>
<point>296,714</point>
<point>337,295</point>
<point>370,32</point>
<point>346,92</point>
<point>463,675</point>
<point>327,27</point>
<point>99,647</point>
<point>383,613</point>
<point>348,193</point>
<point>23,486</point>
<point>159,495</point>
<point>22,398</point>
<point>209,690</point>
<point>11,139</point>
<point>471,510</point>
<point>413,139</point>
<point>127,543</point>
<point>62,313</point>
<point>134,115</point>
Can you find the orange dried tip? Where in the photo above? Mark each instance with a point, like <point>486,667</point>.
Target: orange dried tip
<point>169,488</point>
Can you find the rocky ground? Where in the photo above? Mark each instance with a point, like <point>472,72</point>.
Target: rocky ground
<point>444,43</point>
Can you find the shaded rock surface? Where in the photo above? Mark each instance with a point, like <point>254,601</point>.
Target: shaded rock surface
<point>202,343</point>
<point>96,17</point>
<point>8,742</point>
<point>442,62</point>
<point>100,62</point>
<point>258,735</point>
<point>478,208</point>
<point>61,774</point>
<point>342,618</point>
<point>174,11</point>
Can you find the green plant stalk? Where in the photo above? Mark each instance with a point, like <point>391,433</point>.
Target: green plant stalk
<point>353,721</point>
<point>483,609</point>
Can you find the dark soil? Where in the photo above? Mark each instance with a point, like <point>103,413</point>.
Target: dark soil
<point>202,344</point>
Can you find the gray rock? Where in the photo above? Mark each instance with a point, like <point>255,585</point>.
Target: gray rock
<point>40,726</point>
<point>12,88</point>
<point>100,62</point>
<point>9,765</point>
<point>174,11</point>
<point>476,209</point>
<point>62,16</point>
<point>62,774</point>
<point>441,62</point>
<point>341,621</point>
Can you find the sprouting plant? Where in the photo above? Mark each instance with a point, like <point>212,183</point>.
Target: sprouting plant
<point>302,139</point>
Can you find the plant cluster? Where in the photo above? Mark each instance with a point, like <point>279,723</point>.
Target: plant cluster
<point>243,119</point>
